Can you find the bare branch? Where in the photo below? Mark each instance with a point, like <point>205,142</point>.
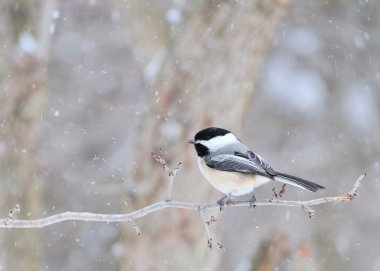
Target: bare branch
<point>159,157</point>
<point>137,229</point>
<point>207,229</point>
<point>279,194</point>
<point>310,211</point>
<point>12,213</point>
<point>210,241</point>
<point>212,220</point>
<point>161,205</point>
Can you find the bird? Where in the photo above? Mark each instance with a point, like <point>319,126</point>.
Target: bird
<point>234,169</point>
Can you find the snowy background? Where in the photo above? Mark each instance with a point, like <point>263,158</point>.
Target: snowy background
<point>314,113</point>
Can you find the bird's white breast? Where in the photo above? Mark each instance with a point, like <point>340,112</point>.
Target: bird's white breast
<point>233,183</point>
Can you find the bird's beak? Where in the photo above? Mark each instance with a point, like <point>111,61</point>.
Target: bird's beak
<point>192,142</point>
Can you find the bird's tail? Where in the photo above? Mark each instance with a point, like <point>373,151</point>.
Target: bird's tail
<point>296,181</point>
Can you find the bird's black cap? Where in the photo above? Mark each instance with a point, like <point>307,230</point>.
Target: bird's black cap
<point>206,134</point>
<point>210,132</point>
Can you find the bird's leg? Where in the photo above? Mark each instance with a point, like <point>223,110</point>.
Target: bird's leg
<point>252,200</point>
<point>221,201</point>
<point>229,200</point>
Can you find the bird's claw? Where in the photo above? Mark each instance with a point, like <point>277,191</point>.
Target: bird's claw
<point>221,204</point>
<point>251,202</point>
<point>223,201</point>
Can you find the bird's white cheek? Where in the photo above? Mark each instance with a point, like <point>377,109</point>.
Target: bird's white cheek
<point>219,142</point>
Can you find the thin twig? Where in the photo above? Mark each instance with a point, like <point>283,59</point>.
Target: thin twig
<point>212,220</point>
<point>161,205</point>
<point>137,229</point>
<point>170,188</point>
<point>310,211</point>
<point>172,174</point>
<point>12,213</point>
<point>279,194</point>
<point>207,229</point>
<point>210,241</point>
<point>159,157</point>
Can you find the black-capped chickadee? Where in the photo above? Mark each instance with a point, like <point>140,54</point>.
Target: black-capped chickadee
<point>233,169</point>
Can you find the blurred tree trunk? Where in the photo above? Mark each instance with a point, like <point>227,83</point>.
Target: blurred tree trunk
<point>208,78</point>
<point>22,96</point>
<point>278,252</point>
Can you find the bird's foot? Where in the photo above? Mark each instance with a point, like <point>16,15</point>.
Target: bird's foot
<point>252,201</point>
<point>223,202</point>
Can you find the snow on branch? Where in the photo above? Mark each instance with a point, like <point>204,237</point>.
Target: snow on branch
<point>11,222</point>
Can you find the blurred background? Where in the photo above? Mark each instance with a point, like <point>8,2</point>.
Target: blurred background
<point>88,88</point>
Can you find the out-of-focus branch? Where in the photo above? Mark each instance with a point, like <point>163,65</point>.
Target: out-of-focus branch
<point>161,205</point>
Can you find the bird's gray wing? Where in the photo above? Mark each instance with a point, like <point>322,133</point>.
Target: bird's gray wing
<point>237,163</point>
<point>258,160</point>
<point>277,176</point>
